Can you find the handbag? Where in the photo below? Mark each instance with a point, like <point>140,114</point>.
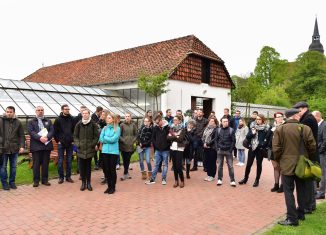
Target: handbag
<point>246,143</point>
<point>306,169</point>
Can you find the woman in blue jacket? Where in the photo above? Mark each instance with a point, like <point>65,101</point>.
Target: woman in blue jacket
<point>110,150</point>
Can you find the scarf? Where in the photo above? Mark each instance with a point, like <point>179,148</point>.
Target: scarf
<point>255,141</point>
<point>207,135</point>
<point>40,123</point>
<point>85,122</point>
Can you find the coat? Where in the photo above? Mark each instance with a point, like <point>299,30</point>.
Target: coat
<point>110,140</point>
<point>33,130</point>
<point>159,138</point>
<point>309,120</point>
<point>85,139</point>
<point>179,139</point>
<point>144,136</point>
<point>128,136</point>
<point>12,136</point>
<point>240,135</point>
<point>322,138</point>
<point>286,145</point>
<point>64,129</point>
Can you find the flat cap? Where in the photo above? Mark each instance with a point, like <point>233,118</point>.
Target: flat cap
<point>300,104</point>
<point>291,112</point>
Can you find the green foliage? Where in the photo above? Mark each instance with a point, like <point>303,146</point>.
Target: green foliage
<point>313,225</point>
<point>153,85</point>
<point>274,96</point>
<point>318,103</point>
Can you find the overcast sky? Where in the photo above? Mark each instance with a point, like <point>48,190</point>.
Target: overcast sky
<point>37,32</point>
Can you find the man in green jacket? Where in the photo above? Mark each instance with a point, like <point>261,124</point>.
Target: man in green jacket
<point>287,140</point>
<point>12,142</point>
<point>127,140</point>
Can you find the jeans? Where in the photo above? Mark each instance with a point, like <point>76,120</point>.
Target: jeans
<point>177,164</point>
<point>109,163</point>
<point>61,152</point>
<point>161,156</point>
<point>241,155</point>
<point>210,156</point>
<point>198,151</point>
<point>288,186</point>
<point>147,153</point>
<point>12,157</point>
<point>126,161</point>
<point>323,178</point>
<point>41,158</point>
<point>229,160</point>
<point>85,169</point>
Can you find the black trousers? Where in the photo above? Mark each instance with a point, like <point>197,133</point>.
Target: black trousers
<point>85,169</point>
<point>211,157</point>
<point>310,200</point>
<point>41,158</point>
<point>96,159</point>
<point>126,156</point>
<point>257,153</point>
<point>110,161</point>
<point>288,186</point>
<point>177,157</point>
<point>101,162</point>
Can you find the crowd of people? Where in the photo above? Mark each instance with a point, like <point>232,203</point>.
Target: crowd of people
<point>206,142</point>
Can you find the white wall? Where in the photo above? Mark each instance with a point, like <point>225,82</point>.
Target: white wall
<point>179,96</point>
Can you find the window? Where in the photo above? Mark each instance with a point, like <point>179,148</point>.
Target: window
<point>206,71</point>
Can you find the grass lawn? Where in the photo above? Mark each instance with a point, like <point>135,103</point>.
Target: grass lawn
<point>24,174</point>
<point>315,224</point>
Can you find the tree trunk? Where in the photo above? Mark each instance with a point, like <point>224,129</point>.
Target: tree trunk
<point>156,103</point>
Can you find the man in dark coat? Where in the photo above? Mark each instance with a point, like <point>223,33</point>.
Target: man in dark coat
<point>308,119</point>
<point>12,141</point>
<point>321,146</point>
<point>63,135</point>
<point>41,132</point>
<point>96,119</point>
<point>286,149</point>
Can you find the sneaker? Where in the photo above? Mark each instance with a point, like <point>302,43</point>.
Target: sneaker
<point>163,182</point>
<point>151,181</point>
<point>219,182</point>
<point>210,179</point>
<point>233,184</point>
<point>124,177</point>
<point>206,178</point>
<point>238,164</point>
<point>241,164</point>
<point>117,167</point>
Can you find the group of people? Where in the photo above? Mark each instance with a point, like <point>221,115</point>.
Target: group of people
<point>205,142</point>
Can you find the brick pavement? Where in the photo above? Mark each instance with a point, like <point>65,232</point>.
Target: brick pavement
<point>199,208</point>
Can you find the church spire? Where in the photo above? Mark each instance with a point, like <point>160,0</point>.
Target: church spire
<point>315,44</point>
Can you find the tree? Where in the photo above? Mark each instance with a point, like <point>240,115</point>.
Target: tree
<point>274,96</point>
<point>153,85</point>
<point>269,66</point>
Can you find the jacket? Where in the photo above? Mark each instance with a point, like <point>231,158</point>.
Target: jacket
<point>200,126</point>
<point>263,136</point>
<point>13,133</point>
<point>322,138</point>
<point>225,139</point>
<point>286,145</point>
<point>178,138</point>
<point>85,139</point>
<point>33,130</point>
<point>240,135</point>
<point>128,136</point>
<point>159,138</point>
<point>64,129</point>
<point>309,120</point>
<point>110,140</point>
<point>144,136</point>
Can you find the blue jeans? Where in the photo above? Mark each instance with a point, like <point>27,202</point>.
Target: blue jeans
<point>147,153</point>
<point>61,152</point>
<point>241,155</point>
<point>13,165</point>
<point>161,156</point>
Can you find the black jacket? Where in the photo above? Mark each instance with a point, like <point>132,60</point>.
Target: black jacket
<point>12,136</point>
<point>225,139</point>
<point>159,138</point>
<point>322,138</point>
<point>95,118</point>
<point>144,136</point>
<point>64,129</point>
<point>263,137</point>
<point>309,120</point>
<point>33,130</point>
<point>200,126</point>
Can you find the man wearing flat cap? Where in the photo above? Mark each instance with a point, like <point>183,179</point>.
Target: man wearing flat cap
<point>308,119</point>
<point>286,148</point>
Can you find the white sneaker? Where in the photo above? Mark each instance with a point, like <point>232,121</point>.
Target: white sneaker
<point>210,179</point>
<point>150,181</point>
<point>206,178</point>
<point>238,164</point>
<point>241,164</point>
<point>219,182</point>
<point>163,182</point>
<point>233,184</point>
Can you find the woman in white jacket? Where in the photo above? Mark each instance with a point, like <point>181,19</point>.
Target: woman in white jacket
<point>240,135</point>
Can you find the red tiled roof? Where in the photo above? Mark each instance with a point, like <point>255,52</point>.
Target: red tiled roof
<point>125,65</point>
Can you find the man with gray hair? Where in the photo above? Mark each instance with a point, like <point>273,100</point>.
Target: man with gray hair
<point>287,144</point>
<point>321,146</point>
